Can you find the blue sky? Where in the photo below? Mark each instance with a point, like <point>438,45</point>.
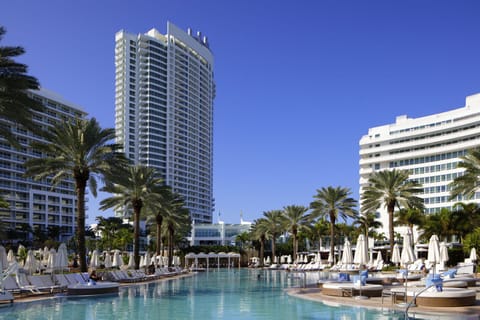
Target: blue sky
<point>298,82</point>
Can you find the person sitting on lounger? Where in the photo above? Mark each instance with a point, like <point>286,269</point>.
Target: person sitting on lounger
<point>93,276</point>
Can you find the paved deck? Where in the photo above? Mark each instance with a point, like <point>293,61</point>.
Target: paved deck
<point>315,294</point>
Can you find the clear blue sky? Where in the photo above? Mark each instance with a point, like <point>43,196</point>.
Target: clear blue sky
<point>298,82</point>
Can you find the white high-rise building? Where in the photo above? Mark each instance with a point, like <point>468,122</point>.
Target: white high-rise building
<point>35,203</point>
<point>164,92</point>
<point>428,147</point>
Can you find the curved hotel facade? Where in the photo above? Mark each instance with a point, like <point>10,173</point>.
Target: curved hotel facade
<point>164,91</point>
<point>428,147</point>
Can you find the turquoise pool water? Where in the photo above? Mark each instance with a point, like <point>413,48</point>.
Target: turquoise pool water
<point>223,294</point>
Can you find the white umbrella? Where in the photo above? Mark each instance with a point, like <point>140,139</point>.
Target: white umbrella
<point>31,264</point>
<point>443,254</point>
<point>407,255</point>
<point>289,259</point>
<point>268,260</point>
<point>3,259</point>
<point>361,256</point>
<point>473,254</point>
<point>117,259</point>
<point>45,254</point>
<point>131,262</point>
<point>61,260</point>
<point>330,258</point>
<point>275,259</point>
<point>51,259</point>
<point>305,259</point>
<point>379,258</point>
<point>11,256</point>
<point>396,254</point>
<point>433,251</point>
<point>107,261</point>
<point>347,253</point>
<point>94,259</point>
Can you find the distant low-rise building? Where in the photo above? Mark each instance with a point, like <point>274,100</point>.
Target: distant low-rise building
<point>220,233</point>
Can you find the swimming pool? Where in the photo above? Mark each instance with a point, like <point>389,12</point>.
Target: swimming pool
<point>220,294</point>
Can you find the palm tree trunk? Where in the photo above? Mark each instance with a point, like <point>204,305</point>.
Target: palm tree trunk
<point>390,209</point>
<point>332,235</point>
<point>136,235</point>
<point>159,234</point>
<point>273,246</point>
<point>170,246</point>
<point>82,251</point>
<point>262,249</point>
<point>295,246</point>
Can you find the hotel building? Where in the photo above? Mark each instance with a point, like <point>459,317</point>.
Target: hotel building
<point>164,91</point>
<point>34,202</point>
<point>428,147</point>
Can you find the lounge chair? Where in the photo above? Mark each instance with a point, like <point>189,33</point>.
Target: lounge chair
<point>45,283</point>
<point>25,285</point>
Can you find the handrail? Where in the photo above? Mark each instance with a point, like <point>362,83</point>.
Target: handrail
<point>414,298</point>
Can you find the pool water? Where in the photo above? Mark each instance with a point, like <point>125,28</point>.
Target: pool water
<point>219,294</point>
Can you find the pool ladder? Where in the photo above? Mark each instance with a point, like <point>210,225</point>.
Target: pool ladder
<point>414,298</point>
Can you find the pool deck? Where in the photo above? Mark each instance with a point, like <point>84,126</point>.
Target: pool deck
<point>315,294</point>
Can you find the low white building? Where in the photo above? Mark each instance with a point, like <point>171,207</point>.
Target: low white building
<point>220,233</point>
<point>428,147</point>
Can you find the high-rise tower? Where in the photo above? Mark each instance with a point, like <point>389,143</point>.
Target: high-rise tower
<point>164,91</point>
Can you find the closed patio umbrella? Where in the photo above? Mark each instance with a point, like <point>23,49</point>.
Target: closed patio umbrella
<point>51,259</point>
<point>361,255</point>
<point>11,257</point>
<point>433,251</point>
<point>443,254</point>
<point>117,259</point>
<point>31,264</point>
<point>61,260</point>
<point>396,254</point>
<point>107,261</point>
<point>473,255</point>
<point>131,261</point>
<point>407,256</point>
<point>347,253</point>
<point>94,259</point>
<point>3,259</point>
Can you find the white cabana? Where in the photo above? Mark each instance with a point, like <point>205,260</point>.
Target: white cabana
<point>361,255</point>
<point>212,255</point>
<point>433,251</point>
<point>396,254</point>
<point>347,253</point>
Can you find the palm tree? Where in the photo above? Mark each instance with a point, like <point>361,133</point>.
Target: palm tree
<point>468,183</point>
<point>441,223</point>
<point>158,211</point>
<point>409,217</point>
<point>133,187</point>
<point>320,228</point>
<point>392,189</point>
<point>259,231</point>
<point>16,106</point>
<point>466,217</point>
<point>178,218</point>
<point>243,238</point>
<point>295,221</point>
<point>80,149</point>
<point>333,203</point>
<point>275,221</point>
<point>109,228</point>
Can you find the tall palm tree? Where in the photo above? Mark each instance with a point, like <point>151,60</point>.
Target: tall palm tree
<point>296,220</point>
<point>133,187</point>
<point>333,202</point>
<point>109,227</point>
<point>80,149</point>
<point>158,211</point>
<point>391,188</point>
<point>177,218</point>
<point>468,183</point>
<point>275,222</point>
<point>259,231</point>
<point>16,106</point>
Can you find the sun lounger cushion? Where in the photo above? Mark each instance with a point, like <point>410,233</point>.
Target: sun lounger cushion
<point>434,280</point>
